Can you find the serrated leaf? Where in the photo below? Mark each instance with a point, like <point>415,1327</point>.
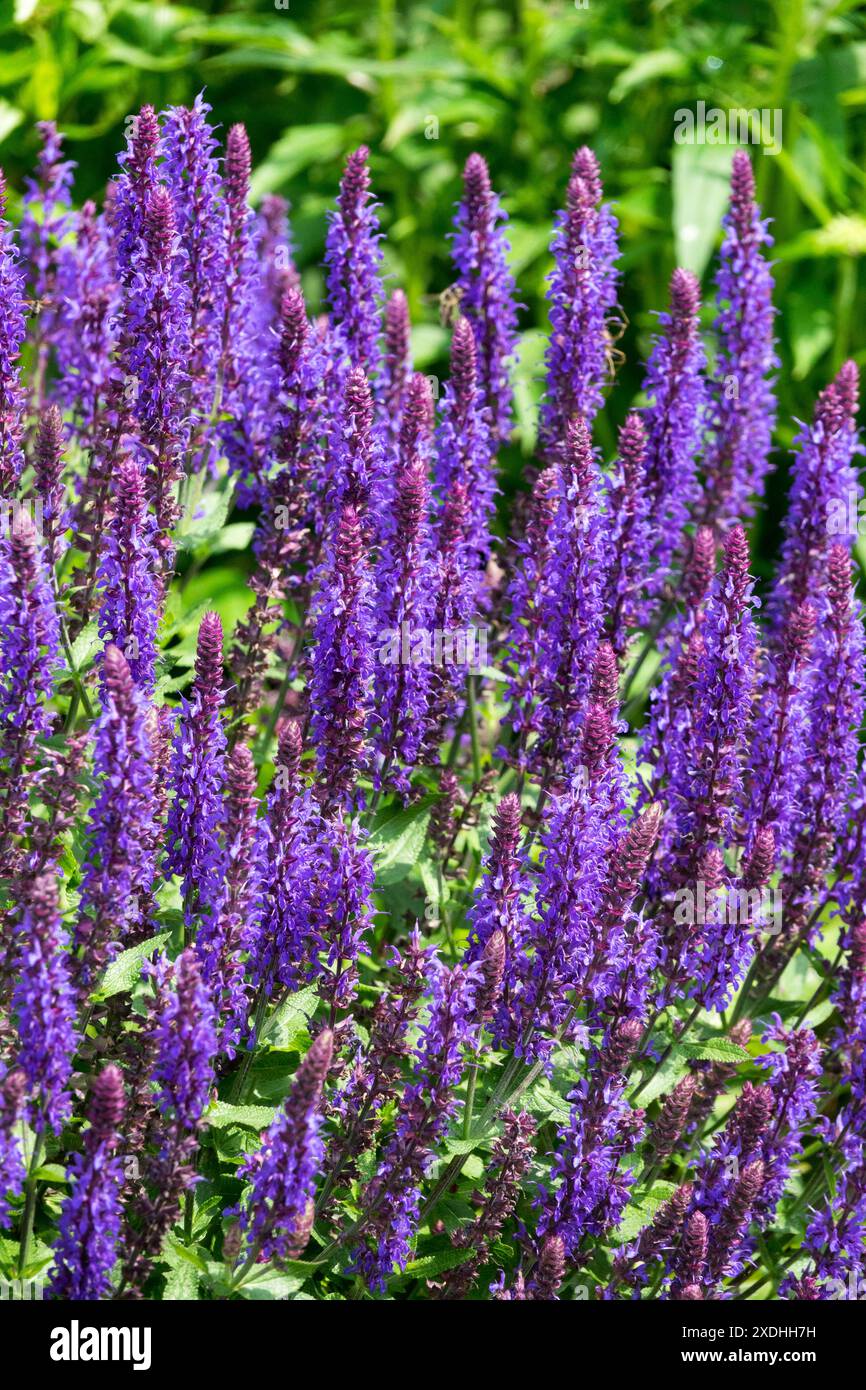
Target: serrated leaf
<point>84,646</point>
<point>396,846</point>
<point>640,1213</point>
<point>205,522</point>
<point>125,970</point>
<point>273,1284</point>
<point>428,1266</point>
<point>475,1141</point>
<point>289,1020</point>
<point>250,1116</point>
<point>51,1172</point>
<point>712,1050</point>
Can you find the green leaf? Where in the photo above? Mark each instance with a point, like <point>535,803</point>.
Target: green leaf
<point>251,1116</point>
<point>701,179</point>
<point>288,1023</point>
<point>85,644</point>
<point>475,1141</point>
<point>396,846</point>
<point>713,1050</point>
<point>125,970</point>
<point>205,520</point>
<point>428,1266</point>
<point>648,67</point>
<point>640,1213</point>
<point>52,1172</point>
<point>272,1284</point>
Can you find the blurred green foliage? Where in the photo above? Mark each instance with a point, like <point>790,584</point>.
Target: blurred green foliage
<point>524,81</point>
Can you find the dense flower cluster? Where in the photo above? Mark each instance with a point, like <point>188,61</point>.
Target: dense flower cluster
<point>394,961</point>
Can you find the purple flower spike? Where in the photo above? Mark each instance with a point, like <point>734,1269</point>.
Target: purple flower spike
<point>274,246</point>
<point>90,1218</point>
<point>353,258</point>
<point>13,1086</point>
<point>12,329</point>
<point>119,865</point>
<point>184,1038</point>
<point>44,224</point>
<point>191,170</point>
<point>44,1003</point>
<point>397,366</point>
<point>464,454</point>
<point>357,463</point>
<point>835,716</point>
<point>134,187</point>
<point>128,578</point>
<point>342,661</point>
<point>245,385</point>
<point>29,643</point>
<point>405,598</point>
<point>674,420</point>
<point>570,615</point>
<point>602,1128</point>
<point>743,408</point>
<point>276,1217</point>
<point>713,770</point>
<point>391,1201</point>
<point>499,908</point>
<point>779,744</point>
<point>48,473</point>
<point>221,941</point>
<point>480,252</point>
<point>198,775</point>
<point>582,294</point>
<point>824,501</point>
<point>86,319</point>
<point>632,539</point>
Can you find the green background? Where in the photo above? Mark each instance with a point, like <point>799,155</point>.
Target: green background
<point>523,82</point>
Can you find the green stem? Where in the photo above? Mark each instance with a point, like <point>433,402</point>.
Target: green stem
<point>473,729</point>
<point>29,1206</point>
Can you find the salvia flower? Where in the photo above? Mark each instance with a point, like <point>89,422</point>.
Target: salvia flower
<point>675,387</point>
<point>464,456</point>
<point>342,659</point>
<point>198,774</point>
<point>90,1218</point>
<point>480,252</point>
<point>185,1042</point>
<point>128,578</point>
<point>274,1218</point>
<point>119,865</point>
<point>12,327</point>
<point>824,496</point>
<point>396,363</point>
<point>582,294</point>
<point>191,170</point>
<point>390,1202</point>
<point>12,1171</point>
<point>353,259</point>
<point>44,1004</point>
<point>743,404</point>
<point>499,907</point>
